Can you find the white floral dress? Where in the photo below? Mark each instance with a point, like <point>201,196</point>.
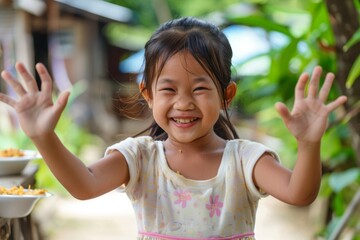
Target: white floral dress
<point>170,206</point>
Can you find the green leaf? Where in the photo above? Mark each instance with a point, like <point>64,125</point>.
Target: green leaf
<point>339,204</point>
<point>325,189</point>
<point>354,73</point>
<point>338,181</point>
<point>262,22</point>
<point>353,40</point>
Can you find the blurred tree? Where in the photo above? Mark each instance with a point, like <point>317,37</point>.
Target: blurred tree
<point>344,19</point>
<point>322,33</point>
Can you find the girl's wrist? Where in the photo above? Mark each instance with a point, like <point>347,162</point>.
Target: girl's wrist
<point>43,137</point>
<point>308,144</point>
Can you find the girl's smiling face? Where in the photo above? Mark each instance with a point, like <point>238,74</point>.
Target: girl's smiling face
<point>184,100</point>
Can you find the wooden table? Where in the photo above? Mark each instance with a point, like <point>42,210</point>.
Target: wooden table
<point>18,228</point>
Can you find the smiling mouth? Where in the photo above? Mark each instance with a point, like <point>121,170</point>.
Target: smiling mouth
<point>184,120</point>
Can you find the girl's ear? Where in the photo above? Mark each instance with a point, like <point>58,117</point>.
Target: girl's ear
<point>145,94</point>
<point>230,93</point>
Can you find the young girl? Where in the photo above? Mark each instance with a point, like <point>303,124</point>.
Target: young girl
<point>192,178</point>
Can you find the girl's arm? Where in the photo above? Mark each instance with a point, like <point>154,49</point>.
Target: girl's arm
<point>38,116</point>
<point>81,181</point>
<point>307,122</point>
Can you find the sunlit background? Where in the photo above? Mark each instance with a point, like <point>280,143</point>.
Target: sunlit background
<point>95,49</point>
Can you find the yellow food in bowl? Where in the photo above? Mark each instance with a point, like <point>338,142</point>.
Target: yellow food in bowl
<point>21,191</point>
<point>11,152</point>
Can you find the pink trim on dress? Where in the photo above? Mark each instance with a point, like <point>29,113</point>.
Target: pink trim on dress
<point>161,236</point>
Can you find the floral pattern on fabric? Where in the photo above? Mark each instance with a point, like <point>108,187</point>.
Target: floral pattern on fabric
<point>183,197</point>
<point>214,206</point>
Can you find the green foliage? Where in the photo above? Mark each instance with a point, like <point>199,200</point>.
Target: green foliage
<point>300,52</point>
<point>13,138</point>
<point>198,7</point>
<point>142,15</point>
<point>354,39</point>
<point>145,20</point>
<point>343,184</point>
<point>339,180</point>
<point>309,36</point>
<point>126,36</point>
<point>262,22</point>
<point>354,73</point>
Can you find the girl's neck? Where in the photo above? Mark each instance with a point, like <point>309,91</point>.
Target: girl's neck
<point>189,159</point>
<point>205,144</point>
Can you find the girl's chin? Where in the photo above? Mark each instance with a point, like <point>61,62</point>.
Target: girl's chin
<point>187,138</point>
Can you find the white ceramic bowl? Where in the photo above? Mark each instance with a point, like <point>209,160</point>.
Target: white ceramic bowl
<point>17,206</point>
<point>15,165</point>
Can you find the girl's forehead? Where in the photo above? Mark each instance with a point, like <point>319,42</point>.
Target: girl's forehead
<point>182,62</point>
<point>179,65</point>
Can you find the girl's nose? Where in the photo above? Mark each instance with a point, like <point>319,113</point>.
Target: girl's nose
<point>184,102</point>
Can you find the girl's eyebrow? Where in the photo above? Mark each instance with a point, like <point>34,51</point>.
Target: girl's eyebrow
<point>204,79</point>
<point>165,80</point>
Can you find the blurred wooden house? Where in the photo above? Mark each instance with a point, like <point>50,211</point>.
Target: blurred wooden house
<point>67,36</point>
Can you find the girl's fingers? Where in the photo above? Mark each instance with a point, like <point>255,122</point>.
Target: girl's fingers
<point>325,89</point>
<point>46,80</point>
<point>334,104</point>
<point>62,101</point>
<point>314,82</point>
<point>283,111</point>
<point>29,80</point>
<point>8,100</point>
<point>16,85</point>
<point>300,86</point>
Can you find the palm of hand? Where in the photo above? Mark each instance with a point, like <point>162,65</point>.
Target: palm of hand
<point>37,113</point>
<point>308,118</point>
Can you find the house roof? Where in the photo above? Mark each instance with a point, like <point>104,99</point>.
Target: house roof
<point>100,8</point>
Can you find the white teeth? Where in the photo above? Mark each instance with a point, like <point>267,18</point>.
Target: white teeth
<point>184,120</point>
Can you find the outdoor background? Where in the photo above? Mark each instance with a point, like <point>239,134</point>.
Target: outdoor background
<point>94,48</point>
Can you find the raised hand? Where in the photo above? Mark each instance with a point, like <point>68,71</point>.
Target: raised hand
<point>37,113</point>
<point>308,119</point>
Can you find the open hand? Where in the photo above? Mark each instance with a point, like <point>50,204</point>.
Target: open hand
<point>308,119</point>
<point>37,113</point>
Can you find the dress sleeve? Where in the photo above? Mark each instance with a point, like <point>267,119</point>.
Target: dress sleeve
<point>250,154</point>
<point>132,153</point>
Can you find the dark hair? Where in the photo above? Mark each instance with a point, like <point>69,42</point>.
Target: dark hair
<point>208,45</point>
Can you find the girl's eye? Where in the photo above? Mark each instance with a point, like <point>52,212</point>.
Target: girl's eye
<point>167,89</point>
<point>200,89</point>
